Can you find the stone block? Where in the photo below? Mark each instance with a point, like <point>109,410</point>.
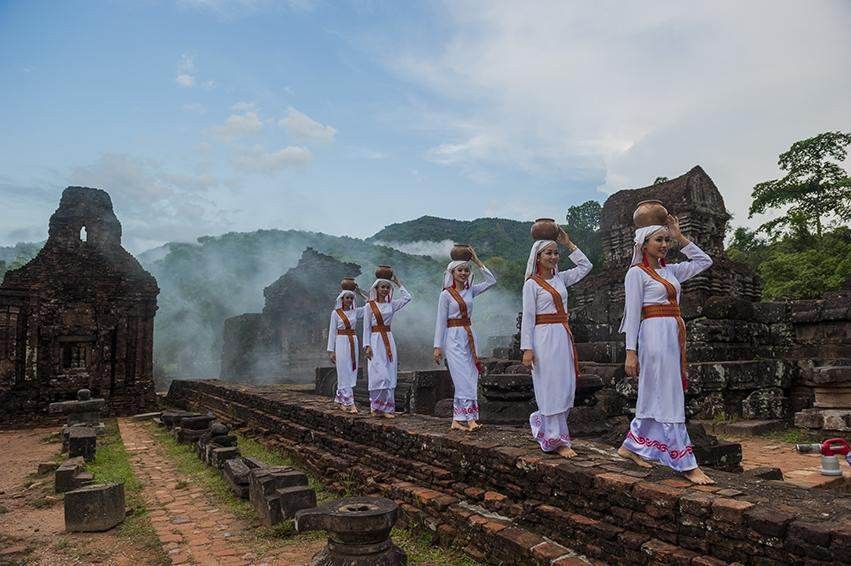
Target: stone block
<point>769,403</point>
<point>265,481</point>
<point>82,441</point>
<point>729,308</point>
<point>235,473</point>
<point>94,508</point>
<point>770,313</point>
<point>66,475</point>
<point>296,498</point>
<point>218,456</point>
<point>187,436</point>
<point>201,423</point>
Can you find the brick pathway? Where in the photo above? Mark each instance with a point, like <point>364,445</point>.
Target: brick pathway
<point>191,529</point>
<point>800,469</point>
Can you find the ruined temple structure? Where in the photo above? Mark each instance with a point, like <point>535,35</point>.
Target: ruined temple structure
<point>79,315</point>
<point>287,340</point>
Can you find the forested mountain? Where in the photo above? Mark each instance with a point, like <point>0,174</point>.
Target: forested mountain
<point>501,237</point>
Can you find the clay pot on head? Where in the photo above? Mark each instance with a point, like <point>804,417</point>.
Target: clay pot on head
<point>544,229</point>
<point>461,252</point>
<point>348,284</point>
<point>650,213</point>
<point>384,272</point>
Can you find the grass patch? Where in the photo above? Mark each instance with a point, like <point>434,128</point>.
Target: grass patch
<point>420,548</point>
<point>3,510</point>
<point>112,464</point>
<point>795,435</point>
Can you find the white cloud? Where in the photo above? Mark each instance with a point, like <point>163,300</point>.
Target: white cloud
<point>620,93</point>
<point>153,203</point>
<point>306,129</point>
<point>186,71</point>
<point>237,125</point>
<point>243,106</point>
<point>256,159</point>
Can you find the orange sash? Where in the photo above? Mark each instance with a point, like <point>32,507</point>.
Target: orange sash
<point>672,309</point>
<point>382,328</point>
<point>559,317</point>
<point>464,321</point>
<point>351,334</point>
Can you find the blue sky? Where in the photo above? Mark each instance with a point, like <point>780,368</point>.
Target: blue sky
<point>208,116</point>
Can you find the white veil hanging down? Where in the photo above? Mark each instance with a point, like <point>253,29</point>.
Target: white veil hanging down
<point>448,280</point>
<point>641,236</point>
<point>537,247</point>
<point>343,293</point>
<point>373,291</point>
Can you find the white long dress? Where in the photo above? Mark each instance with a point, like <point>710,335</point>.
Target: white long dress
<point>553,372</point>
<point>456,347</point>
<point>381,369</point>
<point>347,375</point>
<point>658,431</point>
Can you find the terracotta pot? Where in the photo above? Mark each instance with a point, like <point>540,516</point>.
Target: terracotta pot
<point>348,284</point>
<point>649,213</point>
<point>461,252</point>
<point>384,272</point>
<point>544,229</point>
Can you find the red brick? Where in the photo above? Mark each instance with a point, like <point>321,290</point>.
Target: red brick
<point>697,503</point>
<point>659,495</point>
<point>570,561</point>
<point>811,533</point>
<point>615,482</point>
<point>730,510</point>
<point>549,551</point>
<point>521,539</point>
<point>768,521</point>
<point>707,561</point>
<point>474,493</point>
<point>632,540</point>
<point>664,553</point>
<point>495,526</point>
<point>675,482</point>
<point>494,497</point>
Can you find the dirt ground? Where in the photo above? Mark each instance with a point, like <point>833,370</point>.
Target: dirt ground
<point>32,523</point>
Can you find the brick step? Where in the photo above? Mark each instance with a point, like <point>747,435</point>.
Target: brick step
<point>594,504</point>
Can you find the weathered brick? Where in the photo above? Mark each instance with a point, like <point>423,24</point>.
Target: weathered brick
<point>548,551</point>
<point>809,532</point>
<point>656,494</point>
<point>613,482</point>
<point>521,539</point>
<point>707,561</point>
<point>768,521</point>
<point>698,504</point>
<point>730,510</point>
<point>664,553</point>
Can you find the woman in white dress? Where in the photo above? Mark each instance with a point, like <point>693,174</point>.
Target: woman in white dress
<point>379,345</point>
<point>454,336</point>
<point>656,349</point>
<point>547,341</point>
<point>343,345</point>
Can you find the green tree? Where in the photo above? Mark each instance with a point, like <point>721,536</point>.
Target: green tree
<point>582,223</point>
<point>815,187</point>
<point>660,180</point>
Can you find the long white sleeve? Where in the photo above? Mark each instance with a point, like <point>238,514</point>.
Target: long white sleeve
<point>404,300</point>
<point>698,261</point>
<point>489,282</point>
<point>332,333</point>
<point>440,323</point>
<point>367,325</point>
<point>634,287</point>
<point>527,322</point>
<point>576,274</point>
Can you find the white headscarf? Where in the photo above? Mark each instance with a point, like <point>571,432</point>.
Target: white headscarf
<point>373,291</point>
<point>537,247</point>
<point>448,279</point>
<point>344,293</point>
<point>641,236</point>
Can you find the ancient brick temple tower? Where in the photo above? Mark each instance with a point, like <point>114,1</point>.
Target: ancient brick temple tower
<point>80,314</point>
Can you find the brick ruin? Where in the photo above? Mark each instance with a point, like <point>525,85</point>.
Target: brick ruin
<point>80,315</point>
<point>497,497</point>
<point>287,340</point>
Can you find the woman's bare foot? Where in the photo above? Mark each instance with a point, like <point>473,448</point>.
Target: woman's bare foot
<point>343,408</point>
<point>473,425</point>
<point>629,455</point>
<point>456,425</point>
<point>565,452</point>
<point>353,410</point>
<point>389,415</point>
<point>697,476</point>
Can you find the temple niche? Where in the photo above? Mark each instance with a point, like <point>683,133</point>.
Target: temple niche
<point>79,315</point>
